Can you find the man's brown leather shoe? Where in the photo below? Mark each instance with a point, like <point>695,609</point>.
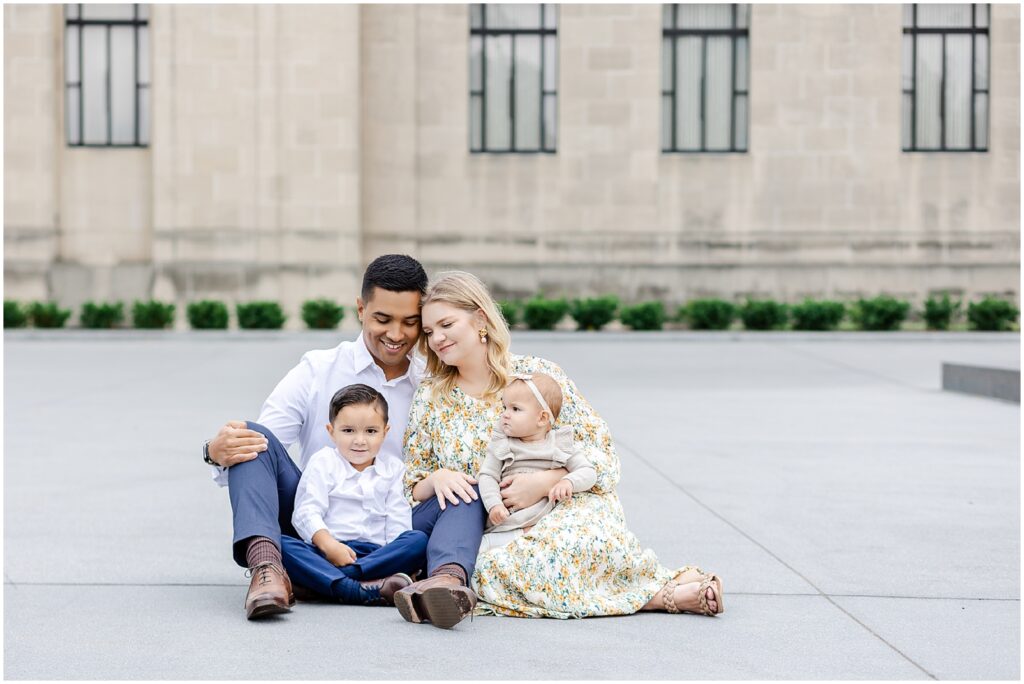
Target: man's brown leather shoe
<point>387,587</point>
<point>270,592</point>
<point>441,600</point>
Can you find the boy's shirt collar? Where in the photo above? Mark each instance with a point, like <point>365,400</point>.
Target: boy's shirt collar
<point>382,466</point>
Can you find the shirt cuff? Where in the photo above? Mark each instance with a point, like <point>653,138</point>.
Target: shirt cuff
<point>219,475</point>
<point>309,525</point>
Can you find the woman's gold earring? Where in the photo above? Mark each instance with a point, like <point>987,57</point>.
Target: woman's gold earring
<point>483,335</point>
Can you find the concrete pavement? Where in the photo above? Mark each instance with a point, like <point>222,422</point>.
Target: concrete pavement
<point>866,524</point>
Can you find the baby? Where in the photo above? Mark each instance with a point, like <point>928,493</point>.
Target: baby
<point>358,545</point>
<point>526,443</point>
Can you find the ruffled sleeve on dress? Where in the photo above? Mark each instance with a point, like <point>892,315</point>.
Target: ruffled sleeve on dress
<point>420,459</point>
<point>593,438</point>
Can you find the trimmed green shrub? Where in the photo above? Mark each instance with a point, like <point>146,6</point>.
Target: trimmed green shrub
<point>817,314</point>
<point>708,314</point>
<point>207,314</point>
<point>880,313</point>
<point>939,313</point>
<point>643,316</point>
<point>14,314</point>
<point>991,314</point>
<point>48,315</point>
<point>102,314</point>
<point>764,314</point>
<point>322,314</point>
<point>594,313</point>
<point>544,314</point>
<point>260,316</point>
<point>510,310</point>
<point>152,315</point>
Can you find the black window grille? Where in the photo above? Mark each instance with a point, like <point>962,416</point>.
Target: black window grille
<point>513,78</point>
<point>705,77</point>
<point>945,78</point>
<point>106,75</point>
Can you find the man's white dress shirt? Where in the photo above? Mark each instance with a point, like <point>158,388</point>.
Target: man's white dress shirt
<point>351,505</point>
<point>297,409</point>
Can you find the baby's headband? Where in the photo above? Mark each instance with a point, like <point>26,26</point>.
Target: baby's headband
<point>528,379</point>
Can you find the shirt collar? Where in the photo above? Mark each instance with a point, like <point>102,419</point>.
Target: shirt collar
<point>383,466</point>
<point>363,359</point>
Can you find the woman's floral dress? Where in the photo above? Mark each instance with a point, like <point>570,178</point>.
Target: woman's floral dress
<point>580,560</point>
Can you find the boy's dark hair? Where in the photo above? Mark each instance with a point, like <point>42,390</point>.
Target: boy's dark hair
<point>395,273</point>
<point>359,395</point>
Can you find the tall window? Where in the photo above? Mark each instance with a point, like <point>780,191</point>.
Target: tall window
<point>106,71</point>
<point>513,78</point>
<point>704,79</point>
<point>945,77</point>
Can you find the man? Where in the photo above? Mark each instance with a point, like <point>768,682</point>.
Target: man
<point>251,458</point>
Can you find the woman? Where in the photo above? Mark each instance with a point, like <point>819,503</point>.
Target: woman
<point>580,560</point>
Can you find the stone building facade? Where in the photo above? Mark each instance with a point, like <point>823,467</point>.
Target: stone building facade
<point>290,144</point>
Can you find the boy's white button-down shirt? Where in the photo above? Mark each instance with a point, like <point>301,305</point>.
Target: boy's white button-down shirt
<point>297,409</point>
<point>351,505</point>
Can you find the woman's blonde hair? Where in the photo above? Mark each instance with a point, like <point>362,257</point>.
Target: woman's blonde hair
<point>465,291</point>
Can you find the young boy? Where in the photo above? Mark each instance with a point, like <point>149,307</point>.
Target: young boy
<point>355,523</point>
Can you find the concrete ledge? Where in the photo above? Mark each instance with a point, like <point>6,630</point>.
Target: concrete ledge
<point>997,383</point>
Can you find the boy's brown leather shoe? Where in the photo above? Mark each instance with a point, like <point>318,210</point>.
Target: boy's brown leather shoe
<point>388,586</point>
<point>441,600</point>
<point>270,592</point>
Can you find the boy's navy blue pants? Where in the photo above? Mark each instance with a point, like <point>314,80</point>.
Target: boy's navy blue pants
<point>307,566</point>
<point>262,493</point>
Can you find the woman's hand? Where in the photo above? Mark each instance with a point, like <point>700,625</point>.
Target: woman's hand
<point>450,485</point>
<point>526,489</point>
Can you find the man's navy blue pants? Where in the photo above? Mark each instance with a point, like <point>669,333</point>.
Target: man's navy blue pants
<point>262,493</point>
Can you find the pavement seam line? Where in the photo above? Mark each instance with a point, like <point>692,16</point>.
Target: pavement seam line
<point>764,548</point>
<point>732,593</point>
<point>885,378</point>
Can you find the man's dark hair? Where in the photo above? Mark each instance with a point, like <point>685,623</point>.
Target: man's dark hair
<point>358,395</point>
<point>395,273</point>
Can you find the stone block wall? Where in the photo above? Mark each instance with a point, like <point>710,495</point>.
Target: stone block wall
<point>824,203</point>
<point>291,144</point>
<point>258,163</point>
<point>32,97</point>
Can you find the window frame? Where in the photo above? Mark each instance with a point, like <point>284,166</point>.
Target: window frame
<point>483,32</point>
<point>973,30</point>
<point>74,88</point>
<point>734,32</point>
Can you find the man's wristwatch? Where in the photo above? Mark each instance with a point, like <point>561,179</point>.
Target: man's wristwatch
<point>206,454</point>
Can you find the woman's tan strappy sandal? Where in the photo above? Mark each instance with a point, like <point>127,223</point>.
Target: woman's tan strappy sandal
<point>668,593</point>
